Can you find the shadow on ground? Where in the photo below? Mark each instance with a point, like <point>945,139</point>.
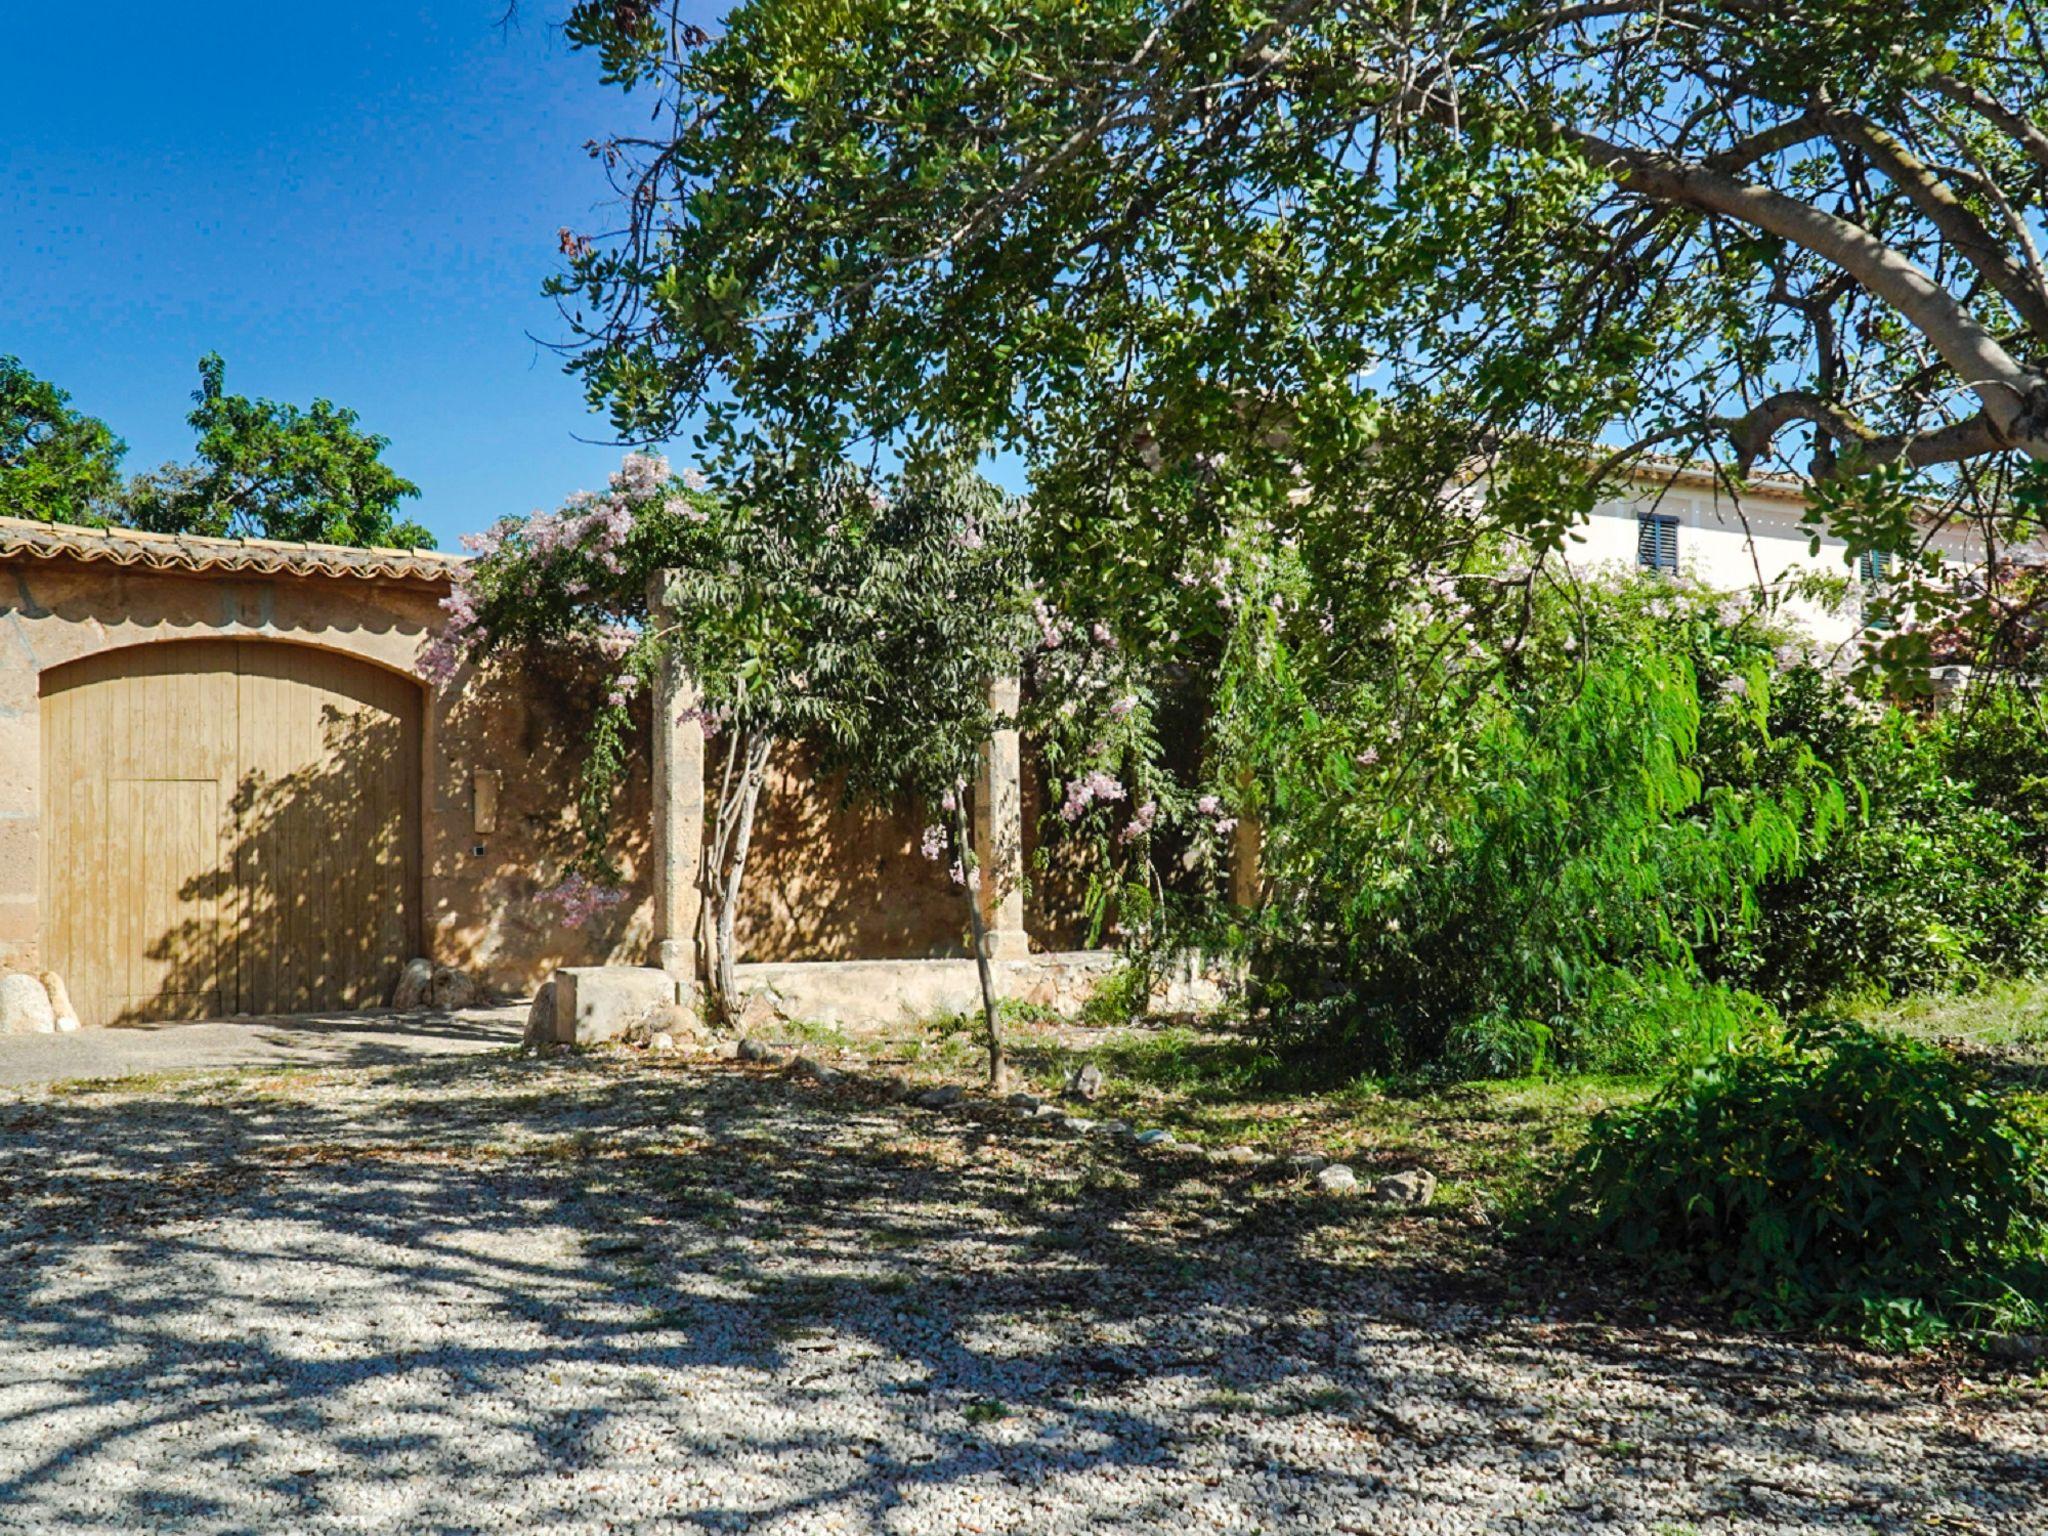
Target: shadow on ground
<point>579,1295</point>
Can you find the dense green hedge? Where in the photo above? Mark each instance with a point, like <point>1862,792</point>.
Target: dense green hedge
<point>1842,1179</point>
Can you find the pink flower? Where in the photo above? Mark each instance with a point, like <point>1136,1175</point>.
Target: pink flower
<point>934,844</point>
<point>581,898</point>
<point>1140,823</point>
<point>1090,787</point>
<point>642,474</point>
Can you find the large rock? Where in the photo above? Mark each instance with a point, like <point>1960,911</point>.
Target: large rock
<point>60,1002</point>
<point>540,1018</point>
<point>453,989</point>
<point>1414,1187</point>
<point>414,983</point>
<point>25,1007</point>
<point>595,1003</point>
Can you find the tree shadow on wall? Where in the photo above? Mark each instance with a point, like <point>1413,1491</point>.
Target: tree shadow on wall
<point>312,903</point>
<point>527,718</point>
<point>829,878</point>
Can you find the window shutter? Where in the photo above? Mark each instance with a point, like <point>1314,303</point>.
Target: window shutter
<point>1657,541</point>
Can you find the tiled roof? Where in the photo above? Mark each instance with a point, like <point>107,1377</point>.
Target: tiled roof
<point>21,537</point>
<point>1663,469</point>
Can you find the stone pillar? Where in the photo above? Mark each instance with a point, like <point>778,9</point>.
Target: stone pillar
<point>999,829</point>
<point>1247,844</point>
<point>678,810</point>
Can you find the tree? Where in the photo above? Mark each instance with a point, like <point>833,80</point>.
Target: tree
<point>56,465</point>
<point>1144,238</point>
<point>275,471</point>
<point>860,620</point>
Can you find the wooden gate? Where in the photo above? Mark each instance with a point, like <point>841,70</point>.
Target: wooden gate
<point>229,827</point>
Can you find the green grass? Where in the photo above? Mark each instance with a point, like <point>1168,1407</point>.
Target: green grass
<point>1487,1140</point>
<point>2004,1013</point>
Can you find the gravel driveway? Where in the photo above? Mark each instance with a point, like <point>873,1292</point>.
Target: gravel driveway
<point>598,1294</point>
<point>344,1039</point>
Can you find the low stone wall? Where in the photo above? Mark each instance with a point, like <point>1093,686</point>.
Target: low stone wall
<point>586,1005</point>
<point>880,993</point>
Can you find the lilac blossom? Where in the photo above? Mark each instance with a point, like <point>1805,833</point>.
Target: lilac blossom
<point>1095,785</point>
<point>1141,821</point>
<point>581,898</point>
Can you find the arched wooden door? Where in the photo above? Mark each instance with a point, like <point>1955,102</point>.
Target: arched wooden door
<point>230,826</point>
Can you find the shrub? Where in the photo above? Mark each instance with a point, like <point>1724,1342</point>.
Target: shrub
<point>1938,880</point>
<point>1839,1178</point>
<point>1545,910</point>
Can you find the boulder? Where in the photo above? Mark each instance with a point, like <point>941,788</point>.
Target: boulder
<point>1156,1138</point>
<point>758,1050</point>
<point>540,1018</point>
<point>1025,1103</point>
<point>680,1021</point>
<point>756,1012</point>
<point>414,983</point>
<point>60,1002</point>
<point>1337,1180</point>
<point>1413,1187</point>
<point>596,1004</point>
<point>453,989</point>
<point>1085,1083</point>
<point>25,1007</point>
<point>942,1097</point>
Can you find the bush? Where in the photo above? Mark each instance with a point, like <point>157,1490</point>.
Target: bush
<point>1938,880</point>
<point>1840,1179</point>
<point>1545,909</point>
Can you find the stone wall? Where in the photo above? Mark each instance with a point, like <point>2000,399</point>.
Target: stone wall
<point>500,753</point>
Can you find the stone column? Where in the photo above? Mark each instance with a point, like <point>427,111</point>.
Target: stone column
<point>999,829</point>
<point>678,809</point>
<point>1247,846</point>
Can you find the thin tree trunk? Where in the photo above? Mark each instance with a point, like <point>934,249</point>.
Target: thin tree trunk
<point>998,1068</point>
<point>743,835</point>
<point>746,764</point>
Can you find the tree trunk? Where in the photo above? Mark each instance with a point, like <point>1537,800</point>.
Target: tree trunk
<point>728,866</point>
<point>998,1068</point>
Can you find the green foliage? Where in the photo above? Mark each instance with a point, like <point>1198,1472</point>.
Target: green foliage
<point>1531,885</point>
<point>862,618</point>
<point>1939,879</point>
<point>1195,258</point>
<point>1840,1179</point>
<point>271,470</point>
<point>1121,998</point>
<point>56,465</point>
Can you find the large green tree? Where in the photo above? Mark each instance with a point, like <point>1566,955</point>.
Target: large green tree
<point>56,464</point>
<point>274,470</point>
<point>1154,239</point>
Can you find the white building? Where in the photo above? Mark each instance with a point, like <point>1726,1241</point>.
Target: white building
<point>1682,518</point>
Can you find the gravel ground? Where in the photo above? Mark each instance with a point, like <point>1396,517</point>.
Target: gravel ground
<point>595,1294</point>
<point>341,1039</point>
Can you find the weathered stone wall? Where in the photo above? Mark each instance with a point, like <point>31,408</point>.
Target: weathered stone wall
<point>477,887</point>
<point>500,754</point>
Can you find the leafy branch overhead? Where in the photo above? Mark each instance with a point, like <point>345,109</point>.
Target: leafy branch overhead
<point>1802,234</point>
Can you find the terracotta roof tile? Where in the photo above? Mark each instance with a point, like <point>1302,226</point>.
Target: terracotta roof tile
<point>22,537</point>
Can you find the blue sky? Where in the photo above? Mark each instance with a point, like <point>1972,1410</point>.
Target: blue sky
<point>358,202</point>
